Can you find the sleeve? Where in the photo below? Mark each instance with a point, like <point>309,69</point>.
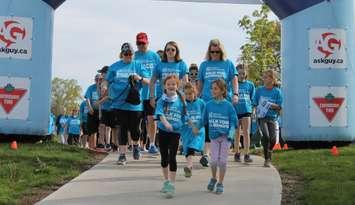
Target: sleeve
<point>256,97</point>
<point>201,72</point>
<point>110,75</point>
<point>233,122</point>
<point>88,93</point>
<point>183,69</point>
<point>232,71</point>
<point>159,109</point>
<point>156,59</point>
<point>252,91</point>
<point>279,98</point>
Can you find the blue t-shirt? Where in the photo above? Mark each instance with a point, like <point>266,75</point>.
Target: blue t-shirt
<point>210,71</point>
<point>271,95</point>
<point>148,60</point>
<point>74,125</point>
<point>63,124</point>
<point>51,126</point>
<point>92,94</point>
<point>164,69</point>
<point>246,95</point>
<point>195,111</point>
<point>117,77</point>
<point>83,113</point>
<point>221,119</point>
<point>173,112</point>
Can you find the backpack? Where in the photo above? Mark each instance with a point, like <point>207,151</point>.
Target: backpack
<point>133,96</point>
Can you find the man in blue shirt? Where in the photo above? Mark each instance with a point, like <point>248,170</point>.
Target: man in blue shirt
<point>149,60</point>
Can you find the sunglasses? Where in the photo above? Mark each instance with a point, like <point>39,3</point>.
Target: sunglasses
<point>170,49</point>
<point>215,52</point>
<point>127,54</point>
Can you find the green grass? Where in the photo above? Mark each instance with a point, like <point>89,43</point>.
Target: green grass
<point>327,179</point>
<point>38,166</point>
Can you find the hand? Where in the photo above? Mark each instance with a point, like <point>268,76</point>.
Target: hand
<point>136,77</point>
<point>152,102</point>
<point>91,111</point>
<point>169,127</point>
<point>235,99</point>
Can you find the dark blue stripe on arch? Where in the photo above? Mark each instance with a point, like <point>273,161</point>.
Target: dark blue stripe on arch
<point>285,8</point>
<point>54,3</point>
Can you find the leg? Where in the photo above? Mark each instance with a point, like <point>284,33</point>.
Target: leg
<point>173,148</point>
<point>265,136</point>
<point>164,153</point>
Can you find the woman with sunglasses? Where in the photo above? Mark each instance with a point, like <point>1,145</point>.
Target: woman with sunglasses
<point>171,64</point>
<point>128,115</point>
<point>216,66</point>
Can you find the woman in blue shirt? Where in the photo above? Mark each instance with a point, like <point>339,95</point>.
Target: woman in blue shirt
<point>216,66</point>
<point>268,100</point>
<point>129,115</point>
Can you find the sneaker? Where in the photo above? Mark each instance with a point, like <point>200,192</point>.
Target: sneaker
<point>237,157</point>
<point>165,187</point>
<point>108,147</point>
<point>267,163</point>
<point>247,158</point>
<point>204,161</point>
<point>211,184</point>
<point>170,191</point>
<point>153,149</point>
<point>188,172</point>
<point>122,159</point>
<point>219,188</point>
<point>136,152</point>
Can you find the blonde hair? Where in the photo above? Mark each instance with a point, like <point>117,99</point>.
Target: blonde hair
<point>216,42</point>
<point>221,84</point>
<point>272,74</point>
<point>245,67</point>
<point>190,86</point>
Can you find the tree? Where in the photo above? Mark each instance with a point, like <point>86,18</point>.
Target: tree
<point>65,95</point>
<point>262,51</point>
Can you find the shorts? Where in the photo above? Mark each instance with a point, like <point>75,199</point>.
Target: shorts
<point>220,150</point>
<point>147,108</point>
<point>240,116</point>
<point>84,128</point>
<point>108,118</point>
<point>93,122</point>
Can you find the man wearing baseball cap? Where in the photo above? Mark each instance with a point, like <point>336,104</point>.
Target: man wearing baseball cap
<point>149,60</point>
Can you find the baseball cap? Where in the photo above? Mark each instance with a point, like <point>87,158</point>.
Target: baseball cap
<point>126,48</point>
<point>103,69</point>
<point>142,38</point>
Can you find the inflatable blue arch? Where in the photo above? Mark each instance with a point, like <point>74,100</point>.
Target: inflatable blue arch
<point>317,69</point>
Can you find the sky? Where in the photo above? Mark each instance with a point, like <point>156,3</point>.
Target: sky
<point>88,34</point>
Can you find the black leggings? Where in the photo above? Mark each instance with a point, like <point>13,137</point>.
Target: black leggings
<point>128,121</point>
<point>168,144</point>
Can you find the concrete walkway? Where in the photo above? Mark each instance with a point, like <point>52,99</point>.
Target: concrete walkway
<point>139,182</point>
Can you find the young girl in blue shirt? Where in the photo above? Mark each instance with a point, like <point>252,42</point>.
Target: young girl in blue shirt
<point>244,109</point>
<point>170,111</point>
<point>220,117</point>
<point>193,139</point>
<point>268,100</point>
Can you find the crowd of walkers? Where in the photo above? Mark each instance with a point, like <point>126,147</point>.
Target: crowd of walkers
<point>151,101</point>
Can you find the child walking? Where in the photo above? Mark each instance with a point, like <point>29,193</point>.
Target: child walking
<point>244,110</point>
<point>268,100</point>
<point>220,117</point>
<point>170,111</point>
<point>193,139</point>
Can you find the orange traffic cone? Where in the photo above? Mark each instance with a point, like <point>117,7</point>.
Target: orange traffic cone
<point>277,147</point>
<point>285,147</point>
<point>13,145</point>
<point>334,151</point>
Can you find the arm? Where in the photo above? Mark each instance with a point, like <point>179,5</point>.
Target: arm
<point>235,90</point>
<point>165,123</point>
<point>152,90</point>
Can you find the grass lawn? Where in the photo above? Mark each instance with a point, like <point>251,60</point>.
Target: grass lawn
<point>35,170</point>
<point>324,179</point>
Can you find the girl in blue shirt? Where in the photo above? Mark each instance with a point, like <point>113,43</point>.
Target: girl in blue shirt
<point>193,139</point>
<point>268,100</point>
<point>220,118</point>
<point>170,111</point>
<point>74,128</point>
<point>244,109</point>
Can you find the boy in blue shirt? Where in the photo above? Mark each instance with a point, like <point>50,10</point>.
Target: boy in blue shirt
<point>74,128</point>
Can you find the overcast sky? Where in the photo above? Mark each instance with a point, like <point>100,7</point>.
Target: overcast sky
<point>88,33</point>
